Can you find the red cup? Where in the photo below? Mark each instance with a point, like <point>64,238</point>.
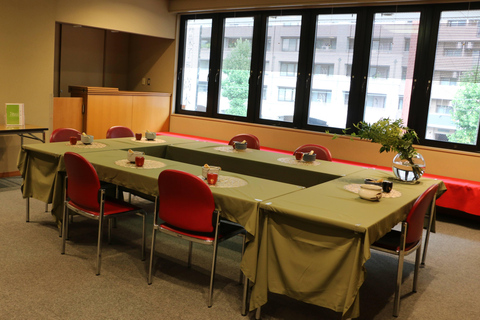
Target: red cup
<point>139,161</point>
<point>212,178</point>
<point>298,155</point>
<point>73,141</point>
<point>138,136</point>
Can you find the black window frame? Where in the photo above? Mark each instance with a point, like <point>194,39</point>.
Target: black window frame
<point>358,69</point>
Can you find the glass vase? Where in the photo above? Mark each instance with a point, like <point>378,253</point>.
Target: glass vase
<point>405,171</point>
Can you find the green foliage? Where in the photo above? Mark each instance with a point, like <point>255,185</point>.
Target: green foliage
<point>466,109</point>
<point>235,86</point>
<point>392,135</point>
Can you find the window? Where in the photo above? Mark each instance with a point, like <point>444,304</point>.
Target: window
<point>290,44</point>
<point>390,72</point>
<point>326,43</point>
<point>376,101</point>
<point>194,71</point>
<point>288,69</point>
<point>323,69</point>
<point>406,44</point>
<point>315,70</point>
<point>286,94</point>
<point>327,105</point>
<point>455,92</point>
<point>323,96</point>
<point>284,74</point>
<point>235,67</point>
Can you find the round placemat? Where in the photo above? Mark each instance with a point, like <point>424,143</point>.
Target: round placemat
<point>299,162</point>
<point>227,182</point>
<point>149,164</point>
<point>144,140</point>
<point>230,149</point>
<point>356,187</point>
<point>93,145</point>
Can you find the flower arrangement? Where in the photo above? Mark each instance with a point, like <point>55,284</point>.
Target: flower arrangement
<point>392,135</point>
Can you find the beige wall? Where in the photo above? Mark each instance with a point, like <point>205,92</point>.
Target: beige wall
<point>460,165</point>
<point>151,58</point>
<point>27,33</point>
<point>147,17</point>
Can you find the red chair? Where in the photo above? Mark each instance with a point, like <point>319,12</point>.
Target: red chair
<point>322,152</point>
<point>408,240</point>
<point>64,134</point>
<point>119,132</point>
<point>252,141</point>
<point>187,208</point>
<point>85,197</point>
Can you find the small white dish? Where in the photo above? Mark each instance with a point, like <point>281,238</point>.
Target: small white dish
<point>370,192</point>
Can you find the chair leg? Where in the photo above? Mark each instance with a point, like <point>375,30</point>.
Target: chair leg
<point>46,207</point>
<point>398,285</point>
<point>242,276</point>
<point>417,265</point>
<point>109,231</point>
<point>64,227</point>
<point>245,297</point>
<point>27,206</point>
<point>144,229</point>
<point>152,250</point>
<point>99,243</point>
<point>212,275</point>
<point>258,313</point>
<point>190,247</point>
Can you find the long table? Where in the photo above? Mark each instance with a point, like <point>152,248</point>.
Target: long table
<point>24,131</point>
<point>308,243</point>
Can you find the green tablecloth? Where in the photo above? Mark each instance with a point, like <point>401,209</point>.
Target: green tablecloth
<point>42,167</point>
<point>310,244</point>
<point>239,204</point>
<point>318,240</point>
<point>263,164</point>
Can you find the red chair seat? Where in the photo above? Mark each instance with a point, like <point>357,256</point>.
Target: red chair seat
<point>111,207</point>
<point>226,231</point>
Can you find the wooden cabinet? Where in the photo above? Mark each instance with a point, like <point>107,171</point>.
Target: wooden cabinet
<point>107,107</point>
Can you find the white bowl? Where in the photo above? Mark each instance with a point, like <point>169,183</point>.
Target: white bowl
<point>131,156</point>
<point>309,157</point>
<point>240,146</point>
<point>150,135</point>
<point>87,139</point>
<point>370,192</point>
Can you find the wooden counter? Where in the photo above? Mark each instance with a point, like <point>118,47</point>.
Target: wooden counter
<point>106,107</point>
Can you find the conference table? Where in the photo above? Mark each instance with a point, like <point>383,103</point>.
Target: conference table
<point>308,232</point>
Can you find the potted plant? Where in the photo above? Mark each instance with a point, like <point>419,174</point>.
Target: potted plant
<point>392,135</point>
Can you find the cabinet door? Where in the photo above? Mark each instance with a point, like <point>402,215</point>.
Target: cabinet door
<point>105,111</point>
<point>150,113</point>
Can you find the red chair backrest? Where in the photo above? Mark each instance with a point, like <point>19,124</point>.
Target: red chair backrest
<point>322,152</point>
<point>252,141</point>
<point>83,183</point>
<point>416,216</point>
<point>64,134</point>
<point>119,132</point>
<point>186,201</point>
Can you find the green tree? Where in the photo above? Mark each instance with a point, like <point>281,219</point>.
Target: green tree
<point>466,109</point>
<point>235,85</point>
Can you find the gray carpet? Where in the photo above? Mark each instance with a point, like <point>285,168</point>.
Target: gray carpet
<point>37,282</point>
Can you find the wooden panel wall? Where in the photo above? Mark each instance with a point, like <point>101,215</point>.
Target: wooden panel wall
<point>67,113</point>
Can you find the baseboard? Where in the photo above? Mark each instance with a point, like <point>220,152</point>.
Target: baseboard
<point>9,174</point>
